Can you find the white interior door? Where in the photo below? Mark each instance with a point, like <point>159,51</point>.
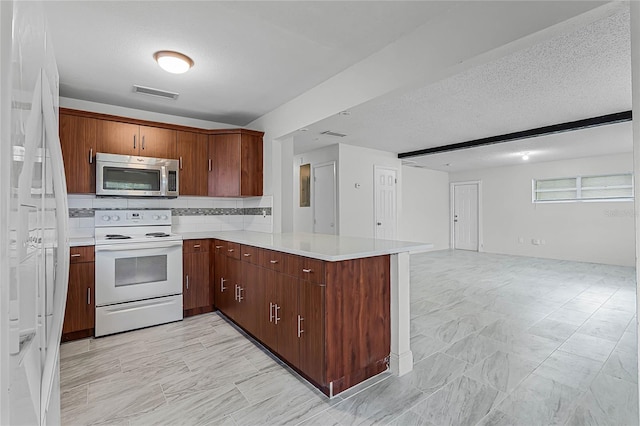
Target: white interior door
<point>324,198</point>
<point>385,203</point>
<point>465,216</point>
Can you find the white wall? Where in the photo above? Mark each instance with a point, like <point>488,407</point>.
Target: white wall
<point>303,216</point>
<point>425,207</point>
<point>356,205</point>
<point>600,232</point>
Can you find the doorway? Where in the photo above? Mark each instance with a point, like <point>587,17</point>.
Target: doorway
<point>465,216</point>
<point>324,198</point>
<point>385,202</point>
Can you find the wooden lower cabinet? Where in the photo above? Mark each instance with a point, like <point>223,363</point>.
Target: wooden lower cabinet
<point>79,315</point>
<point>195,281</point>
<point>328,320</point>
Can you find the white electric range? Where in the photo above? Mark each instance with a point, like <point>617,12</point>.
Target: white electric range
<point>138,270</point>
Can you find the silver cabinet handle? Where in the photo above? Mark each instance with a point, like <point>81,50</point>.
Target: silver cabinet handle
<point>90,155</point>
<point>277,318</point>
<point>209,164</point>
<point>240,297</point>
<point>273,262</point>
<point>246,254</point>
<point>134,141</point>
<point>187,281</point>
<point>222,287</point>
<point>300,330</point>
<point>196,246</point>
<point>75,255</point>
<point>181,162</point>
<point>231,250</point>
<point>142,141</point>
<point>236,293</point>
<point>270,312</point>
<point>218,247</point>
<point>306,271</point>
<point>88,295</point>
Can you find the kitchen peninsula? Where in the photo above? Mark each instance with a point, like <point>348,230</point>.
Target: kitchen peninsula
<point>334,308</point>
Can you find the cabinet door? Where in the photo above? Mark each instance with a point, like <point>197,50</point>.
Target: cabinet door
<point>265,310</point>
<point>80,310</point>
<point>118,138</point>
<point>251,165</point>
<point>233,282</point>
<point>195,291</point>
<point>220,287</point>
<point>311,311</point>
<point>224,158</point>
<point>78,138</point>
<point>287,318</point>
<point>192,154</point>
<point>251,297</point>
<point>157,142</point>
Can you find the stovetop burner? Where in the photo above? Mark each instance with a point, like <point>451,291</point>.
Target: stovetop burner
<point>117,237</point>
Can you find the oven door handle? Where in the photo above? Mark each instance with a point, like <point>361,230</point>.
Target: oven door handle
<point>138,246</point>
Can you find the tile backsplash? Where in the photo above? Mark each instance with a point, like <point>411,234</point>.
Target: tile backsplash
<point>189,214</point>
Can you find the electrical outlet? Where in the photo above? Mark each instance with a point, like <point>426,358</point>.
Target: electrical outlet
<point>535,242</point>
<point>543,242</point>
<point>264,213</point>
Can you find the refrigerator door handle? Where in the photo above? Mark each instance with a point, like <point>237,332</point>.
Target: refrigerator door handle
<point>62,253</point>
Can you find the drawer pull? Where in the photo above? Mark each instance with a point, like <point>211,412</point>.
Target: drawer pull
<point>89,296</point>
<point>181,162</point>
<point>218,247</point>
<point>246,254</point>
<point>222,287</point>
<point>273,262</point>
<point>277,318</point>
<point>307,271</point>
<point>91,156</point>
<point>209,164</point>
<point>196,246</point>
<point>231,250</point>
<point>75,255</point>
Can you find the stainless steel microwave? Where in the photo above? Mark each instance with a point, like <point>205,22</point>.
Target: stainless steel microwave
<point>131,176</point>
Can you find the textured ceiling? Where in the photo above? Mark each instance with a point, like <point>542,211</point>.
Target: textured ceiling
<point>250,57</point>
<point>581,74</point>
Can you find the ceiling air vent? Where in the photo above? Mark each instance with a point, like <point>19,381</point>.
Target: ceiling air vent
<point>330,133</point>
<point>155,92</point>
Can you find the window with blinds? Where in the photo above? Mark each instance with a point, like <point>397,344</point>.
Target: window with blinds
<point>584,188</point>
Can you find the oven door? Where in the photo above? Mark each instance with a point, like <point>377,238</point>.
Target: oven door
<point>137,271</point>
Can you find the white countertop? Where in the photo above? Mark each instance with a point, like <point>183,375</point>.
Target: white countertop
<point>81,241</point>
<point>318,246</point>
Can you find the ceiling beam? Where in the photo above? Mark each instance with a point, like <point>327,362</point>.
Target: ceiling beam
<point>570,126</point>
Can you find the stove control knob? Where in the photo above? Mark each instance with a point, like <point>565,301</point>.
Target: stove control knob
<point>156,217</point>
<point>106,218</point>
<point>164,217</point>
<point>115,218</point>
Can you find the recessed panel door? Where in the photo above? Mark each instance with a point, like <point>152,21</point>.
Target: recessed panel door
<point>324,198</point>
<point>465,216</point>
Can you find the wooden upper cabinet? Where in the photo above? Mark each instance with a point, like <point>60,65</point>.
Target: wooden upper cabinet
<point>131,139</point>
<point>235,165</point>
<point>118,138</point>
<point>192,154</point>
<point>78,139</point>
<point>157,142</point>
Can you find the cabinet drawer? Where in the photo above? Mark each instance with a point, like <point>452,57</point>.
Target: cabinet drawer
<point>274,260</point>
<point>232,250</point>
<point>81,254</point>
<point>219,246</point>
<point>311,270</point>
<point>251,254</point>
<point>195,246</point>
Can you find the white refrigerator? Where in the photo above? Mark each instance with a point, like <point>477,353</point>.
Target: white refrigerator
<point>34,220</point>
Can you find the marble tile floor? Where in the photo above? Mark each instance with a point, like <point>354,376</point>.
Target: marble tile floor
<point>497,340</point>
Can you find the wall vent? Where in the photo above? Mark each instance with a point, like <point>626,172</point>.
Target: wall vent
<point>330,133</point>
<point>155,92</point>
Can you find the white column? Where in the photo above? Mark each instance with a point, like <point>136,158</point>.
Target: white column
<point>401,357</point>
<point>635,84</point>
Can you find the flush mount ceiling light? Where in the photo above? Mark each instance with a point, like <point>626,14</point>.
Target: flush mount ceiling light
<point>525,156</point>
<point>173,62</point>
